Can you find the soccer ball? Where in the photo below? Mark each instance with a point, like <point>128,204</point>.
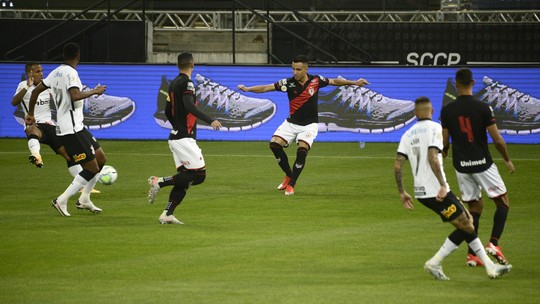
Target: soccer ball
<point>108,175</point>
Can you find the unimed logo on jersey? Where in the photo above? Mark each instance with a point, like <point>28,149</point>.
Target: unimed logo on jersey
<point>79,157</point>
<point>449,211</point>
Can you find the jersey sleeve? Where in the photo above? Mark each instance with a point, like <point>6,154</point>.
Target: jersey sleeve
<point>21,85</point>
<point>281,85</point>
<point>323,81</point>
<point>489,116</point>
<point>402,148</point>
<point>436,138</point>
<point>73,80</point>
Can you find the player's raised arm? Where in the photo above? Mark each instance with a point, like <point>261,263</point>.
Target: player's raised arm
<point>77,94</point>
<point>258,88</point>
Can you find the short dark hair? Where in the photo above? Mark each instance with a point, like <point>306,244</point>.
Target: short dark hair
<point>71,50</point>
<point>184,60</point>
<point>464,77</point>
<point>300,58</point>
<point>421,100</point>
<point>28,66</point>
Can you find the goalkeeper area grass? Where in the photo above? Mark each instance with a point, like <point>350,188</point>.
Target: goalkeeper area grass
<point>344,236</point>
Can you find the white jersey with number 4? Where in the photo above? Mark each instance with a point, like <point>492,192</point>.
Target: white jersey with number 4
<point>42,111</point>
<point>69,115</point>
<point>414,144</point>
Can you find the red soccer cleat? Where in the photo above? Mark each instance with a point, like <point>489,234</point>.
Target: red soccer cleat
<point>496,252</point>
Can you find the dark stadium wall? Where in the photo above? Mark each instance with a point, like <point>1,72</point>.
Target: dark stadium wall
<point>126,42</point>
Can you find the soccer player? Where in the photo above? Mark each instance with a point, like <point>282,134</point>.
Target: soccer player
<point>181,111</point>
<point>44,129</point>
<point>80,145</point>
<point>465,121</point>
<point>422,145</point>
<point>302,124</point>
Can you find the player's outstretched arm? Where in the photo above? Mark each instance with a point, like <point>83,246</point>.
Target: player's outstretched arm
<point>341,82</point>
<point>77,94</point>
<point>257,89</point>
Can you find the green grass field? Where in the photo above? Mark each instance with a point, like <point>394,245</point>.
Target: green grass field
<point>342,238</point>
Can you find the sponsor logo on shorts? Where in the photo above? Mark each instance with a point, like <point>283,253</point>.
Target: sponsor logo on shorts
<point>77,158</point>
<point>449,211</point>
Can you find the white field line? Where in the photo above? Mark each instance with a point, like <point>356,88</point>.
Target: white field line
<point>262,156</point>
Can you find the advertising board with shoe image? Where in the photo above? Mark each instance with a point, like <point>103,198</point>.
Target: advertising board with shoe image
<point>133,106</point>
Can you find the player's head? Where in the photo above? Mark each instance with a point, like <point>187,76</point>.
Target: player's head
<point>464,78</point>
<point>423,107</point>
<point>34,70</point>
<point>185,61</point>
<point>71,51</point>
<point>300,67</point>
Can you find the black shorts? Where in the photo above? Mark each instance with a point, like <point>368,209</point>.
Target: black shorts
<point>449,209</point>
<point>81,146</point>
<point>48,136</point>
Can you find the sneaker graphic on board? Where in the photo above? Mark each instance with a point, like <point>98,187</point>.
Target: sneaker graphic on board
<point>235,111</point>
<point>359,109</point>
<point>450,93</point>
<point>163,95</point>
<point>106,111</point>
<point>435,271</point>
<point>516,112</point>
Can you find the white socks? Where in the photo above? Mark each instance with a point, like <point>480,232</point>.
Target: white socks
<point>477,247</point>
<point>34,146</point>
<point>446,249</point>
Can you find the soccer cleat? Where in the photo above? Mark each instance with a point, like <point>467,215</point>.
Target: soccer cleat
<point>36,160</point>
<point>105,111</point>
<point>289,190</point>
<point>168,219</point>
<point>516,112</point>
<point>154,188</point>
<point>284,183</point>
<point>496,252</point>
<point>359,109</point>
<point>88,206</point>
<point>62,208</point>
<point>473,261</point>
<point>435,271</point>
<point>235,111</point>
<point>498,270</point>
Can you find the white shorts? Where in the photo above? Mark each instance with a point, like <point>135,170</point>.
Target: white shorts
<point>186,153</point>
<point>289,132</point>
<point>471,184</point>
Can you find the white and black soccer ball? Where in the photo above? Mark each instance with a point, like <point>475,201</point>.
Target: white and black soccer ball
<point>108,175</point>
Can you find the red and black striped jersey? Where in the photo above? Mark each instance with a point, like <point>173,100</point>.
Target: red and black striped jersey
<point>303,99</point>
